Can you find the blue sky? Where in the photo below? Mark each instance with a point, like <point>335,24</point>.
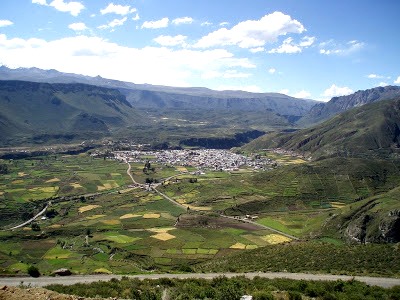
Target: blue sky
<point>304,48</point>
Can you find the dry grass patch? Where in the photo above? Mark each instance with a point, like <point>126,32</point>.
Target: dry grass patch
<point>161,229</point>
<point>1,193</point>
<point>111,222</point>
<point>22,174</point>
<point>102,271</point>
<point>55,226</point>
<point>115,174</point>
<point>76,185</point>
<point>17,181</point>
<point>201,208</point>
<point>128,216</point>
<point>53,180</point>
<point>163,236</point>
<point>238,246</point>
<point>181,169</point>
<point>151,216</point>
<point>26,229</point>
<point>87,208</point>
<point>276,239</point>
<point>337,204</point>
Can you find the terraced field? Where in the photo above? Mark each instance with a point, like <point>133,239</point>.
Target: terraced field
<point>98,223</point>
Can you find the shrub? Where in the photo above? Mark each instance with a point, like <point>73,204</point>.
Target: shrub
<point>33,271</point>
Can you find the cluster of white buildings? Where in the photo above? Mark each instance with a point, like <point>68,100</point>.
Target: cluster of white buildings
<point>201,159</point>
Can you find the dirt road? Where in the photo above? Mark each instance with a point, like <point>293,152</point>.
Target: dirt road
<point>45,280</point>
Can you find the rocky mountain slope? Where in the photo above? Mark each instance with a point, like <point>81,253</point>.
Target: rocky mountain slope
<point>324,111</point>
<point>373,129</point>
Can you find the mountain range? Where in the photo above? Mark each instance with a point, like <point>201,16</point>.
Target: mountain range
<point>43,106</point>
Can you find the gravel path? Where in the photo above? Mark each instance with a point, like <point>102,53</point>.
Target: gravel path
<point>46,280</point>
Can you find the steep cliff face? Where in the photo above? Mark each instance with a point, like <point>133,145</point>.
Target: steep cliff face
<point>374,220</point>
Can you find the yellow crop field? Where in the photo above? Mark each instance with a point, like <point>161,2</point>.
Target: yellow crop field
<point>128,216</point>
<point>53,180</point>
<point>94,217</point>
<point>151,216</point>
<point>163,236</point>
<point>276,239</point>
<point>111,222</point>
<point>238,246</point>
<point>181,169</point>
<point>87,208</point>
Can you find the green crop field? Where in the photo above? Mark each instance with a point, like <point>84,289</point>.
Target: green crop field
<point>98,223</point>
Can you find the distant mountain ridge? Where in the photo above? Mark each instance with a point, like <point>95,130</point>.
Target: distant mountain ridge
<point>323,111</point>
<point>144,96</point>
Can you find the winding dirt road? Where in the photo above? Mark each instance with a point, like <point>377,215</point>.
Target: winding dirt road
<point>46,280</point>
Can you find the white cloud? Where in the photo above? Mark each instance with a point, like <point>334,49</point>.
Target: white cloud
<point>302,94</point>
<point>223,24</point>
<point>307,41</point>
<point>156,24</point>
<point>167,40</point>
<point>335,91</point>
<point>253,33</point>
<point>4,23</point>
<point>332,48</point>
<point>246,88</point>
<point>206,23</point>
<point>77,26</point>
<point>136,17</point>
<point>114,23</point>
<point>284,91</point>
<point>397,81</point>
<point>256,50</point>
<point>73,7</point>
<point>383,83</point>
<point>40,2</point>
<point>373,76</point>
<point>118,9</point>
<point>184,20</point>
<point>271,70</point>
<point>225,74</point>
<point>288,46</point>
<point>94,56</point>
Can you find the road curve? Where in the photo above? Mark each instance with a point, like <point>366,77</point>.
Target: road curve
<point>46,280</point>
<point>30,220</point>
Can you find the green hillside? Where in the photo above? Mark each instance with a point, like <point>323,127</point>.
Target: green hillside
<point>41,111</point>
<point>371,130</point>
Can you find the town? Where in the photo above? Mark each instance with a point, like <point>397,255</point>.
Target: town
<point>204,159</point>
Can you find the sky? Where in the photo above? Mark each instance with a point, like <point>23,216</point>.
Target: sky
<point>314,49</point>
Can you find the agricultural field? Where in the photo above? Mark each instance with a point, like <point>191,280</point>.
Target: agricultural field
<point>101,225</point>
<point>100,222</point>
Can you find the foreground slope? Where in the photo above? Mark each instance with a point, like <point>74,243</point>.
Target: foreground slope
<point>42,111</point>
<point>373,129</point>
